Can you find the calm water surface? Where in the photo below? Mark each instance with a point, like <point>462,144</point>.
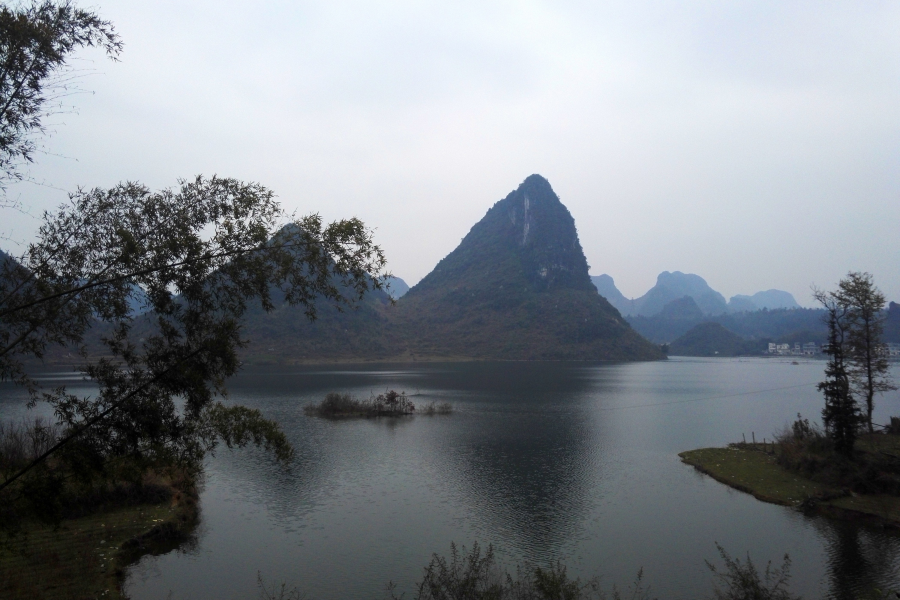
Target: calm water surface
<point>545,461</point>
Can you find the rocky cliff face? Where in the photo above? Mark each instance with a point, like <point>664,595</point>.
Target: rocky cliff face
<point>517,287</point>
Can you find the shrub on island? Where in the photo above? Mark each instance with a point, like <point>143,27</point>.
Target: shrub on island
<point>389,404</point>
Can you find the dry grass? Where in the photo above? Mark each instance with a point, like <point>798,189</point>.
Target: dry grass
<point>436,408</point>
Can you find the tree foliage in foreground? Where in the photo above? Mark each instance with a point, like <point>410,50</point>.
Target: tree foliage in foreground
<point>166,277</point>
<point>37,40</point>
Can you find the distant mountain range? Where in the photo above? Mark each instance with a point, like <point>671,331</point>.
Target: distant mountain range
<point>682,310</point>
<point>779,325</point>
<point>769,299</point>
<point>675,285</point>
<point>517,288</point>
<point>712,339</point>
<point>892,323</point>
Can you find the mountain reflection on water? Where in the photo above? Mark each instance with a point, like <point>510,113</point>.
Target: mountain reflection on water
<point>546,461</point>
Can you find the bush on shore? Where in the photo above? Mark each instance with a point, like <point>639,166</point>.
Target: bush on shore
<point>742,581</point>
<point>21,442</point>
<point>388,404</point>
<point>65,489</point>
<point>108,522</point>
<point>873,467</point>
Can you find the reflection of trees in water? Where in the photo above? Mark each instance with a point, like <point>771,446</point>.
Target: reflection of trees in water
<point>325,449</point>
<point>858,558</point>
<point>526,475</point>
<point>528,486</point>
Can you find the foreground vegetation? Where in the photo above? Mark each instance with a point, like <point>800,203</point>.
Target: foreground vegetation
<point>477,575</point>
<point>79,546</point>
<point>388,404</point>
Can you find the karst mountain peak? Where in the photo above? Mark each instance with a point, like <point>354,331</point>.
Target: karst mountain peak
<point>517,287</point>
<point>532,224</point>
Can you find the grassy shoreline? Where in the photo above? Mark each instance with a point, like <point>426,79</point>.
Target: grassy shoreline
<point>87,557</point>
<point>751,469</point>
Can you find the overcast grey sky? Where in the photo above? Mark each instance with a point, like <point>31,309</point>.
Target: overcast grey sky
<point>755,143</point>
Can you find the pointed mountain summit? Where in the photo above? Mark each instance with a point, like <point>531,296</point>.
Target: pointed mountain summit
<point>529,234</point>
<point>517,287</point>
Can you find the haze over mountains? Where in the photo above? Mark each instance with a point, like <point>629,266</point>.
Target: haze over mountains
<point>675,285</point>
<point>517,288</point>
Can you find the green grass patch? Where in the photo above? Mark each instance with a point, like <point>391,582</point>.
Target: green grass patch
<point>750,469</point>
<point>755,472</point>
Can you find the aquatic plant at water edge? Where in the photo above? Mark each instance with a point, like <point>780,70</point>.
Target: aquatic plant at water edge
<point>476,574</point>
<point>276,592</point>
<point>742,581</point>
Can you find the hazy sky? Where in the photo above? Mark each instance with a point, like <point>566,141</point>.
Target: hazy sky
<point>755,143</point>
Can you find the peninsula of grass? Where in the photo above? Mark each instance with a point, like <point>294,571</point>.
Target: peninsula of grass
<point>388,404</point>
<point>805,473</point>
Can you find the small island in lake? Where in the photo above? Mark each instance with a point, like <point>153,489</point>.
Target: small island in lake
<point>388,404</point>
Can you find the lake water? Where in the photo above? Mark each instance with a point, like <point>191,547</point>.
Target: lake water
<point>546,461</point>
